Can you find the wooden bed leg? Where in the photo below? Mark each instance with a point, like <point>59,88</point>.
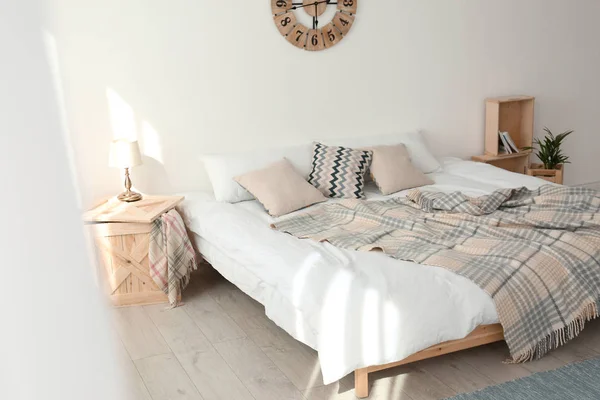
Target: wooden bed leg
<point>361,383</point>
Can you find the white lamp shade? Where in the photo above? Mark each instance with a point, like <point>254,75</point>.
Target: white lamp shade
<point>124,154</point>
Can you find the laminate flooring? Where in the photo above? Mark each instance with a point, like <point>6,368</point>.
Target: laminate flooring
<point>220,346</point>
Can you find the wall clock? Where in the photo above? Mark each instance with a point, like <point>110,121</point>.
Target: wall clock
<point>318,37</point>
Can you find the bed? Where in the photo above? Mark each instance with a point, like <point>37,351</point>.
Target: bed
<point>361,311</point>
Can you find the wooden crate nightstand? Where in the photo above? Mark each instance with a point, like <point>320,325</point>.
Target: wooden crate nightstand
<point>121,234</point>
<point>550,175</point>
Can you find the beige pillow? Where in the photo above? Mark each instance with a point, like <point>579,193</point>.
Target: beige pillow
<point>280,188</point>
<point>393,171</point>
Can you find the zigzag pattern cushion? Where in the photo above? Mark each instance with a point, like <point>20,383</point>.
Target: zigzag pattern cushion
<point>339,172</point>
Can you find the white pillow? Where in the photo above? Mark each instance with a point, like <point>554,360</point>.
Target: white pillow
<point>420,155</point>
<point>222,168</point>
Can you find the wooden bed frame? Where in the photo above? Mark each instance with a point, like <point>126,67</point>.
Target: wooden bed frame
<point>483,334</point>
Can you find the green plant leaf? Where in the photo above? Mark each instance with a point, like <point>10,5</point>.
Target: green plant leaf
<point>549,151</point>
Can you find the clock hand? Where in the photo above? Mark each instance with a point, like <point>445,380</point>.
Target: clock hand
<point>297,7</point>
<point>316,23</point>
<point>310,4</point>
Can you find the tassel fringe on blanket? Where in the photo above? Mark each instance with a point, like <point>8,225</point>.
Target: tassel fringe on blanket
<point>559,337</point>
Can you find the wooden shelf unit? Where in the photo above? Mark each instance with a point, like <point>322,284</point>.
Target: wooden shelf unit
<point>508,114</point>
<point>512,114</point>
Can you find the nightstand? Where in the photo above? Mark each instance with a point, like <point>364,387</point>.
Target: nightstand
<point>121,235</point>
<point>511,162</point>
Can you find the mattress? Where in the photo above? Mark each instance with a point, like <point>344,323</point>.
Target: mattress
<point>356,309</point>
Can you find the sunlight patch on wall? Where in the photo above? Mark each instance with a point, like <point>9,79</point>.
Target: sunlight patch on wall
<point>126,125</point>
<point>150,142</point>
<point>122,117</point>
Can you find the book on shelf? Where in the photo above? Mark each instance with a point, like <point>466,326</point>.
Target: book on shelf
<point>504,143</point>
<point>508,143</point>
<point>511,142</point>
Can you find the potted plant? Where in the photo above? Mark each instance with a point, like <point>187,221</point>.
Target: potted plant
<point>551,156</point>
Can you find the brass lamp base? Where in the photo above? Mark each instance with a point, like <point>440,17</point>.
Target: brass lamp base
<point>129,196</point>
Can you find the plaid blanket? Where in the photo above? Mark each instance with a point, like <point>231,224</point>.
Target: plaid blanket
<point>535,252</point>
<point>172,257</point>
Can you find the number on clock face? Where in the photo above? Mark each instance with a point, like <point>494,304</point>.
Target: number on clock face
<point>285,22</point>
<point>315,40</point>
<point>331,35</point>
<point>298,35</point>
<point>316,37</point>
<point>343,22</point>
<point>347,5</point>
<point>279,6</point>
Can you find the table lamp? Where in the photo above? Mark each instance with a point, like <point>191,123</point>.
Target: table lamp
<point>126,154</point>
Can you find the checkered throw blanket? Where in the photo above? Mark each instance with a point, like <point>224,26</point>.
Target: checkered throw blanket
<point>172,257</point>
<point>535,252</point>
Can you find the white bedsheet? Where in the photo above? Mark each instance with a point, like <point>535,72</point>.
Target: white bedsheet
<point>355,308</point>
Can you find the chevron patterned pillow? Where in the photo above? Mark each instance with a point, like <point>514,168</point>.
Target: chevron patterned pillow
<point>339,172</point>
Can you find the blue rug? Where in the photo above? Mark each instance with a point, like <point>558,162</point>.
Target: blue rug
<point>579,381</point>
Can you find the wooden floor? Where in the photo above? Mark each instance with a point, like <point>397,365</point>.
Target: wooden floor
<point>220,345</point>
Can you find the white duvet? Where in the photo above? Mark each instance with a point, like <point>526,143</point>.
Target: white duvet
<point>355,308</point>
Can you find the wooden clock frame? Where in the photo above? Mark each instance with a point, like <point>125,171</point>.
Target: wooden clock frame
<point>317,38</point>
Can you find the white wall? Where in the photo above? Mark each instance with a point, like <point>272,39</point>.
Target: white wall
<point>212,76</point>
<point>54,332</point>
